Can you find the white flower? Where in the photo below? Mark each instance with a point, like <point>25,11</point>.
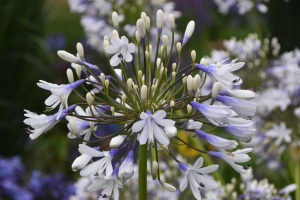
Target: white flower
<point>121,49</point>
<point>126,168</point>
<point>109,184</point>
<point>149,124</point>
<point>117,141</point>
<point>60,94</point>
<point>280,132</point>
<point>99,165</point>
<point>82,160</point>
<point>42,123</point>
<point>239,156</point>
<point>196,178</point>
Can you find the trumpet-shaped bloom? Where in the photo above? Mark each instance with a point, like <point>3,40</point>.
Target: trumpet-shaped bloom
<point>149,124</point>
<point>280,133</point>
<point>43,123</point>
<point>239,156</point>
<point>122,50</point>
<point>223,74</point>
<point>60,94</point>
<point>242,132</point>
<point>219,143</point>
<point>196,178</point>
<point>126,168</point>
<point>243,108</point>
<point>109,184</point>
<point>240,94</point>
<point>216,114</point>
<point>99,165</point>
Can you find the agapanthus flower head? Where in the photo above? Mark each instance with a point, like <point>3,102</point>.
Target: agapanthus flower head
<point>141,96</point>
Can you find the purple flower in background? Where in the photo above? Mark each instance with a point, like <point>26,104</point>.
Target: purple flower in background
<point>55,42</point>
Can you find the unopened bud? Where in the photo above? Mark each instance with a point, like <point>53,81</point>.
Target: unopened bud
<point>115,33</point>
<point>173,75</point>
<point>105,37</point>
<point>124,98</point>
<point>234,195</point>
<point>206,63</point>
<point>197,94</point>
<point>168,186</point>
<point>166,70</point>
<point>154,169</point>
<point>189,108</point>
<point>188,32</point>
<point>129,83</point>
<point>171,131</point>
<point>105,44</point>
<point>147,55</point>
<point>106,83</point>
<point>197,81</point>
<point>159,21</point>
<point>158,61</point>
<point>166,149</point>
<point>115,19</point>
<point>153,87</point>
<point>77,69</point>
<point>115,142</point>
<point>140,73</point>
<point>141,29</point>
<point>135,88</point>
<point>69,57</point>
<point>215,91</point>
<point>144,17</point>
<point>144,93</point>
<point>202,61</point>
<point>190,84</point>
<point>161,50</point>
<point>184,79</point>
<point>174,67</point>
<point>89,99</point>
<point>165,41</point>
<point>112,109</point>
<point>138,39</point>
<point>102,77</point>
<point>178,45</point>
<point>80,50</point>
<point>150,49</point>
<point>172,103</point>
<point>193,54</point>
<point>172,22</point>
<point>148,24</point>
<point>70,75</point>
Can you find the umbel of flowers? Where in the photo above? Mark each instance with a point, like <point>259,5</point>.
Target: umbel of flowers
<point>152,101</point>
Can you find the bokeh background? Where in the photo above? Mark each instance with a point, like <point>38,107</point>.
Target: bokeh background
<point>32,31</point>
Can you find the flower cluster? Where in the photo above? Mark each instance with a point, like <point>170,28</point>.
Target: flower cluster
<point>151,101</point>
<point>242,6</point>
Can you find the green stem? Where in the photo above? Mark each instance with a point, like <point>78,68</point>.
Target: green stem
<point>297,177</point>
<point>143,172</point>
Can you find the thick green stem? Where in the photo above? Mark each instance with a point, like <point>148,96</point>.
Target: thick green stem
<point>143,172</point>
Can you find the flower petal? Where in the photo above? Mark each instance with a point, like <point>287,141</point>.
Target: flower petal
<point>111,49</point>
<point>198,163</point>
<point>183,183</point>
<point>90,151</point>
<point>159,114</point>
<point>131,48</point>
<point>139,125</point>
<point>160,135</point>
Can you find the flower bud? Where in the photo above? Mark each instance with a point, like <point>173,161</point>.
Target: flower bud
<point>153,87</point>
<point>178,45</point>
<point>77,69</point>
<point>189,108</point>
<point>172,22</point>
<point>140,73</point>
<point>115,33</point>
<point>105,37</point>
<point>172,103</point>
<point>106,83</point>
<point>215,91</point>
<point>69,57</point>
<point>188,32</point>
<point>197,94</point>
<point>147,55</point>
<point>161,50</point>
<point>80,50</point>
<point>92,125</point>
<point>159,21</point>
<point>70,75</point>
<point>165,41</point>
<point>166,70</point>
<point>115,142</point>
<point>148,23</point>
<point>171,131</point>
<point>141,29</point>
<point>193,54</point>
<point>168,186</point>
<point>135,88</point>
<point>184,79</point>
<point>112,109</point>
<point>105,44</point>
<point>73,127</point>
<point>138,39</point>
<point>129,83</point>
<point>206,63</point>
<point>115,19</point>
<point>202,61</point>
<point>124,98</point>
<point>197,80</point>
<point>234,195</point>
<point>154,169</point>
<point>190,84</point>
<point>150,49</point>
<point>162,69</point>
<point>174,67</point>
<point>158,61</point>
<point>80,162</point>
<point>89,98</point>
<point>144,17</point>
<point>166,149</point>
<point>102,77</point>
<point>173,75</point>
<point>144,93</point>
